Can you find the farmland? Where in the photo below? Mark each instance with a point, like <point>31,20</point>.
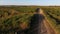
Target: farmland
<point>53,15</point>
<point>12,19</point>
<point>17,18</point>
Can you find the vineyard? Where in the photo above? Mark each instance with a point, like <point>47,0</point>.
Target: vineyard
<point>17,18</point>
<point>53,15</point>
<point>14,20</point>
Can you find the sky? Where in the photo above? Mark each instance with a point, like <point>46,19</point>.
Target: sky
<point>30,2</point>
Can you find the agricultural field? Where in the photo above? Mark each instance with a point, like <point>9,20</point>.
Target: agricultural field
<point>53,15</point>
<point>14,19</point>
<point>17,18</point>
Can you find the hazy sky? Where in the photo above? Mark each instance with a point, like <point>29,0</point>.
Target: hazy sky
<point>29,2</point>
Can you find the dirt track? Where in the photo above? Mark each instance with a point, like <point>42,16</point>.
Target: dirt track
<point>48,28</point>
<point>42,27</point>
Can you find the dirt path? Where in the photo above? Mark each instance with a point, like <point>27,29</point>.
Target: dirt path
<point>49,29</point>
<point>42,27</point>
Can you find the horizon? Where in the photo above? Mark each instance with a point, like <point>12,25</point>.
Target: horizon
<point>29,5</point>
<point>31,2</point>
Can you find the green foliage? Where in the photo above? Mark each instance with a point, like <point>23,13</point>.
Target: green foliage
<point>12,17</point>
<point>53,15</point>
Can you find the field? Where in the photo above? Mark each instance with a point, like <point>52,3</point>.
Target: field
<point>53,15</point>
<point>17,18</point>
<point>12,19</point>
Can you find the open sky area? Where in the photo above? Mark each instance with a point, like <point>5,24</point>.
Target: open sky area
<point>30,2</point>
